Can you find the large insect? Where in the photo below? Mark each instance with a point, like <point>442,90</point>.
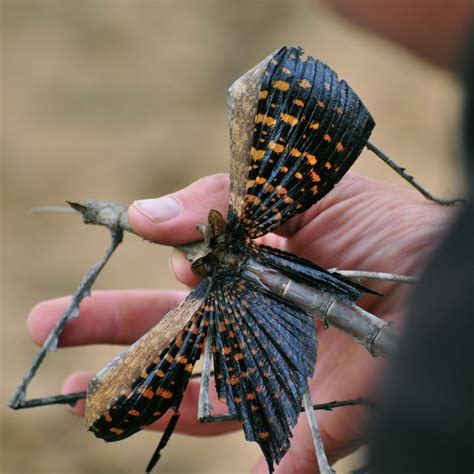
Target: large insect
<point>295,130</point>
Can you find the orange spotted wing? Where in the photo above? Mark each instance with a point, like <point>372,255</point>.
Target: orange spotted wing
<point>309,127</point>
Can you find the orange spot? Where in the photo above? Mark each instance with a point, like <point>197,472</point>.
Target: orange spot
<point>327,138</point>
<point>189,368</point>
<point>169,358</point>
<point>298,175</point>
<point>266,119</point>
<point>133,412</point>
<point>237,399</point>
<point>281,190</point>
<point>304,57</point>
<point>144,374</point>
<point>258,180</point>
<point>304,83</point>
<point>181,359</point>
<point>339,147</point>
<point>260,389</point>
<point>264,435</point>
<point>263,94</point>
<point>160,373</point>
<point>107,417</point>
<point>339,111</point>
<point>276,147</point>
<point>286,70</point>
<point>289,119</point>
<point>281,85</point>
<point>222,327</point>
<point>257,154</point>
<point>284,169</point>
<point>161,392</point>
<point>299,103</point>
<point>314,189</point>
<point>314,125</point>
<point>117,431</point>
<point>234,379</point>
<point>322,104</point>
<point>269,188</point>
<point>239,356</point>
<point>289,200</point>
<point>148,393</point>
<point>311,159</point>
<point>295,152</point>
<point>156,413</point>
<point>327,165</point>
<point>251,396</point>
<point>315,177</point>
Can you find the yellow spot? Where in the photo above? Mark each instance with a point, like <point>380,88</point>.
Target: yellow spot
<point>169,358</point>
<point>289,119</point>
<point>156,413</point>
<point>327,138</point>
<point>117,431</point>
<point>269,188</point>
<point>161,392</point>
<point>295,152</point>
<point>339,147</point>
<point>298,175</point>
<point>144,374</point>
<point>315,177</point>
<point>281,85</point>
<point>257,154</point>
<point>305,83</point>
<point>299,103</point>
<point>189,368</point>
<point>181,359</point>
<point>107,417</point>
<point>160,373</point>
<point>263,94</point>
<point>339,111</point>
<point>284,169</point>
<point>281,191</point>
<point>272,106</point>
<point>327,165</point>
<point>276,147</point>
<point>286,70</point>
<point>314,125</point>
<point>264,435</point>
<point>322,104</point>
<point>134,412</point>
<point>311,159</point>
<point>266,119</point>
<point>259,180</point>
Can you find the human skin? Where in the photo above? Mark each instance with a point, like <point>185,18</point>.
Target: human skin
<point>362,224</point>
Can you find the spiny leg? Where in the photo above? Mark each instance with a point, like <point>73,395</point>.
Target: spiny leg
<point>19,397</point>
<point>204,407</point>
<point>323,464</point>
<point>401,171</point>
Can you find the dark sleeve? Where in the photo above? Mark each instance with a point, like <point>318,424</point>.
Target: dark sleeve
<point>426,421</point>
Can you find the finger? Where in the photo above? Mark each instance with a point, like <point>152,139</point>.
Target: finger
<point>188,422</point>
<point>181,269</point>
<point>112,317</point>
<point>172,219</point>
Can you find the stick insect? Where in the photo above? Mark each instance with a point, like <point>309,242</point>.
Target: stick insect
<point>295,130</point>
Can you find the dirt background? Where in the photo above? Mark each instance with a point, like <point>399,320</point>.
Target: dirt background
<point>126,100</point>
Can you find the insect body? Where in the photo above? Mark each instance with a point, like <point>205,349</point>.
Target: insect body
<point>295,131</point>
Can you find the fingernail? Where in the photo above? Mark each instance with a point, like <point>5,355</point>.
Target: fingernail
<point>159,210</point>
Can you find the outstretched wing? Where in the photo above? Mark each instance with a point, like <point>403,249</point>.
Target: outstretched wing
<point>309,128</point>
<point>264,351</point>
<point>149,378</point>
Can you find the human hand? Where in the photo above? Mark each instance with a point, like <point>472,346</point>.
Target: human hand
<point>362,224</point>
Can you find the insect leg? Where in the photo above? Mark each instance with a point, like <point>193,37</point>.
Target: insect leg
<point>67,399</point>
<point>164,439</point>
<point>204,407</point>
<point>19,397</point>
<point>323,464</point>
<point>401,171</point>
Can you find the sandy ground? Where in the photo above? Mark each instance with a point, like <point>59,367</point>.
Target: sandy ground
<point>124,100</point>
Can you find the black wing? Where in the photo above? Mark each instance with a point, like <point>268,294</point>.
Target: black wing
<point>309,129</point>
<point>264,351</point>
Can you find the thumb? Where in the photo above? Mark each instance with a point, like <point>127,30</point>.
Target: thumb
<point>172,219</point>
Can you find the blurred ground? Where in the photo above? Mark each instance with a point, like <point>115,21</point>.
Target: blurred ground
<point>125,100</point>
